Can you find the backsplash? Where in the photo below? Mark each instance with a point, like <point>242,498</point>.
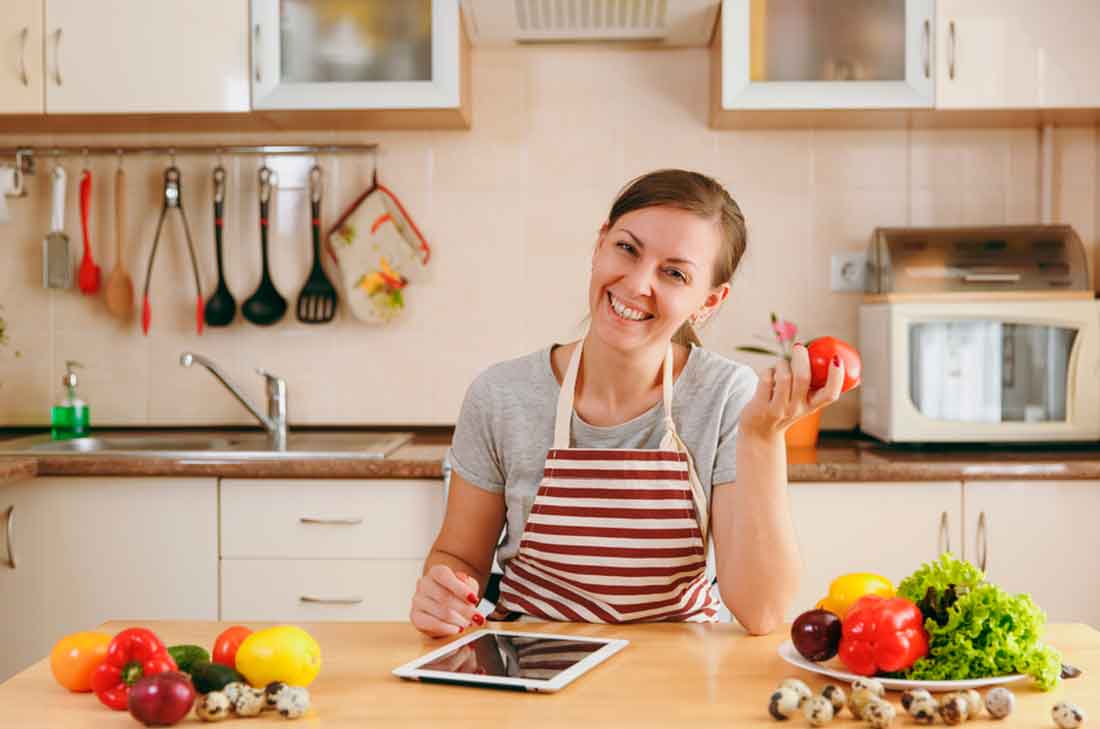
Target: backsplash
<point>511,208</point>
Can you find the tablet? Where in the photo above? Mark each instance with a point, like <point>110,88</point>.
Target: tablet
<point>510,660</point>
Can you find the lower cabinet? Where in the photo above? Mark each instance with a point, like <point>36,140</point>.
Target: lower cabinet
<point>313,550</point>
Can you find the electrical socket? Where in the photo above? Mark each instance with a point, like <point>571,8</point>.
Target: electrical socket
<point>848,271</point>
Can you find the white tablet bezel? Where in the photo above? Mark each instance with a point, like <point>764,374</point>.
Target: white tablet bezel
<point>412,671</point>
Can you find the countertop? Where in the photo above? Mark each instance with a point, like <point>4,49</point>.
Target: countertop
<point>838,457</point>
<point>671,675</point>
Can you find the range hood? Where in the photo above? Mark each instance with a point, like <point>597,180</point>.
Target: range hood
<point>665,22</point>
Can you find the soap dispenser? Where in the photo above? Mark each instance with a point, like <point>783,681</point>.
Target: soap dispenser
<point>69,418</point>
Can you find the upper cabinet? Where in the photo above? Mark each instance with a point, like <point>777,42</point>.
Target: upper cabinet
<point>21,51</point>
<point>136,56</point>
<point>369,54</point>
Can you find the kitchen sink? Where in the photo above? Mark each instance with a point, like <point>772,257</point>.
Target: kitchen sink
<point>214,445</point>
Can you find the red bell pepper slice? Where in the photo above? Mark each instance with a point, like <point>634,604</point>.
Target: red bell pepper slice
<point>133,653</point>
<point>880,634</point>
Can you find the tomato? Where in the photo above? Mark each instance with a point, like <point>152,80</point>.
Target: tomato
<point>226,645</point>
<point>822,350</point>
<point>76,656</point>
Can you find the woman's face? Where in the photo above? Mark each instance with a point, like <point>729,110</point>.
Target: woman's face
<point>652,270</point>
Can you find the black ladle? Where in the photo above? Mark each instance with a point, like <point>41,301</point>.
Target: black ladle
<point>266,306</point>
<point>221,307</point>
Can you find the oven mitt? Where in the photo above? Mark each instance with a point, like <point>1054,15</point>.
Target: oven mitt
<point>380,252</point>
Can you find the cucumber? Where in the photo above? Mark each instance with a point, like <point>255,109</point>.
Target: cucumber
<point>187,656</point>
<point>207,676</point>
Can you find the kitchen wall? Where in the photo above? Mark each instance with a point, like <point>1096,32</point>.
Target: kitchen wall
<point>511,208</point>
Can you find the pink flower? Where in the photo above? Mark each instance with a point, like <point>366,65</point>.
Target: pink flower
<point>785,330</point>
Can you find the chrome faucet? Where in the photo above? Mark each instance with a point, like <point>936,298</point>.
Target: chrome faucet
<point>275,420</point>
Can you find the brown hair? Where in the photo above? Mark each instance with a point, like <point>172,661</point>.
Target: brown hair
<point>695,193</point>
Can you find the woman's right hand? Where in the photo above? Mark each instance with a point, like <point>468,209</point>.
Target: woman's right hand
<point>445,602</point>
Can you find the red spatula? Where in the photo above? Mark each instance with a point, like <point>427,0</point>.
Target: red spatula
<point>88,278</point>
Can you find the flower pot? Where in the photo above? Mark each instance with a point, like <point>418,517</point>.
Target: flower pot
<point>803,432</point>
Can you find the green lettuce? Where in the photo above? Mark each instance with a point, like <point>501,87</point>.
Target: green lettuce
<point>988,632</point>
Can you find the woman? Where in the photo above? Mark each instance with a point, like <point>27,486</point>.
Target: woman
<point>613,460</point>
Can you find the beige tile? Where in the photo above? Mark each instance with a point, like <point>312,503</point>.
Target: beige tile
<point>960,157</point>
<point>464,162</point>
<point>859,158</point>
<point>935,207</point>
<point>1022,191</point>
<point>502,108</point>
<point>844,218</point>
<point>774,160</point>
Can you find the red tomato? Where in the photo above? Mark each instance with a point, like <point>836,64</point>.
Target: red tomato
<point>822,350</point>
<point>226,645</point>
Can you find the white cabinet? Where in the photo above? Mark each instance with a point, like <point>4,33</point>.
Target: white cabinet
<point>21,51</point>
<point>1069,53</point>
<point>885,528</point>
<point>90,550</point>
<point>1040,538</point>
<point>136,56</point>
<point>372,54</point>
<point>325,549</point>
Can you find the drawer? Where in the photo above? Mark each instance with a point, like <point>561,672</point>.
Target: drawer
<point>330,519</point>
<point>310,590</point>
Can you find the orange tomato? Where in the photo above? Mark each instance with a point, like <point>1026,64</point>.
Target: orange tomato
<point>76,656</point>
<point>227,643</point>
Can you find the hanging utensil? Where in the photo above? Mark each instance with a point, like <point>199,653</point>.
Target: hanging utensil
<point>317,301</point>
<point>172,199</point>
<point>266,306</point>
<point>88,277</point>
<point>221,307</point>
<point>57,265</point>
<point>120,287</point>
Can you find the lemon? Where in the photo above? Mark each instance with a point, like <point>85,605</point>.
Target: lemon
<point>846,589</point>
<point>283,653</point>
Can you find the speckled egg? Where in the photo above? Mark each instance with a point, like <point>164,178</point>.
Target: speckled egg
<point>213,706</point>
<point>924,709</point>
<point>1000,702</point>
<point>250,702</point>
<point>953,710</point>
<point>973,701</point>
<point>232,691</point>
<point>1067,716</point>
<point>858,700</point>
<point>870,684</point>
<point>836,697</point>
<point>818,711</point>
<point>272,692</point>
<point>804,692</point>
<point>879,714</point>
<point>293,703</point>
<point>783,702</point>
<point>909,695</point>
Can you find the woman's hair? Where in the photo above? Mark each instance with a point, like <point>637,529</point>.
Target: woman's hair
<point>695,193</point>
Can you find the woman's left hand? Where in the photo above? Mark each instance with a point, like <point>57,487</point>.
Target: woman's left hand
<point>783,395</point>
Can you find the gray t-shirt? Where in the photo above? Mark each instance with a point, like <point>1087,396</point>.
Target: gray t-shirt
<point>506,427</point>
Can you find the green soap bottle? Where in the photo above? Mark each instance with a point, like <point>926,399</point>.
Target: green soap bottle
<point>69,418</point>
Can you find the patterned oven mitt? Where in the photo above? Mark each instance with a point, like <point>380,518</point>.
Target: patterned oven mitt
<point>380,251</point>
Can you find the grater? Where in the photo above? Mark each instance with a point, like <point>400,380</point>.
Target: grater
<point>57,266</point>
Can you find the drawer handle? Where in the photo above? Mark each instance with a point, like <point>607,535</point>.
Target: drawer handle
<point>9,518</point>
<point>944,541</point>
<point>982,539</point>
<point>23,57</point>
<point>346,521</point>
<point>57,56</point>
<point>331,600</point>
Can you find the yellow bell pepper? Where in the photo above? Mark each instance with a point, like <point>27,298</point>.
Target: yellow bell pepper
<point>846,589</point>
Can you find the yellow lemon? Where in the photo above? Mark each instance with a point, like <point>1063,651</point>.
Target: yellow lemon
<point>846,589</point>
<point>284,653</point>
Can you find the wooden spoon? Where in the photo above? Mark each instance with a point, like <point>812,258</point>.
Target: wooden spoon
<point>120,288</point>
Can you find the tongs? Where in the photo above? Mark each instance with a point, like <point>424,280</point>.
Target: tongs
<point>172,199</point>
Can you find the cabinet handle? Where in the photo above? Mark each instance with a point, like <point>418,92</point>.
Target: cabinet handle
<point>345,521</point>
<point>23,56</point>
<point>9,519</point>
<point>951,50</point>
<point>331,600</point>
<point>982,538</point>
<point>256,51</point>
<point>57,56</point>
<point>944,541</point>
<point>926,48</point>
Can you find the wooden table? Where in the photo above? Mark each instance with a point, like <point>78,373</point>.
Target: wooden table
<point>671,675</point>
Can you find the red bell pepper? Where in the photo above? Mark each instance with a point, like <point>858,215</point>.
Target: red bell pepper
<point>133,653</point>
<point>882,634</point>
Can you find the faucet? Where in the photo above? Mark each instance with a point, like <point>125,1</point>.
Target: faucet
<point>275,420</point>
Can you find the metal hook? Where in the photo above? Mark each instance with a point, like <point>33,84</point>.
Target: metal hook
<point>374,172</point>
<point>316,182</point>
<point>265,176</point>
<point>219,183</point>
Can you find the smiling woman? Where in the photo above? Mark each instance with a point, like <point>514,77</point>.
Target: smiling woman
<point>610,461</point>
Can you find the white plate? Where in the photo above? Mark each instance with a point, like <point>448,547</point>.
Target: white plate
<point>788,653</point>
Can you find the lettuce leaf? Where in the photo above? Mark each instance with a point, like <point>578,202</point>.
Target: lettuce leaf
<point>940,574</point>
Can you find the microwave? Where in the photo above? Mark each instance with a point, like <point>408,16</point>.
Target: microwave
<point>979,335</point>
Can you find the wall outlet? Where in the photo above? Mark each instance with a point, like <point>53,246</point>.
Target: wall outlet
<point>848,271</point>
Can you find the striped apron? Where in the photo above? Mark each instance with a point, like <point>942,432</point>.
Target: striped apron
<point>614,535</point>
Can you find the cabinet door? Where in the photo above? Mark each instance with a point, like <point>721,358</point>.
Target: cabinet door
<point>1069,53</point>
<point>885,528</point>
<point>21,51</point>
<point>23,524</point>
<point>987,54</point>
<point>136,56</point>
<point>1039,537</point>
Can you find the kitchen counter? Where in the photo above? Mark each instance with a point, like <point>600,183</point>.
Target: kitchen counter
<point>671,675</point>
<point>838,457</point>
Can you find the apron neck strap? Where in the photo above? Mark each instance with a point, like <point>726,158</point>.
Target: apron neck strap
<point>564,418</point>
